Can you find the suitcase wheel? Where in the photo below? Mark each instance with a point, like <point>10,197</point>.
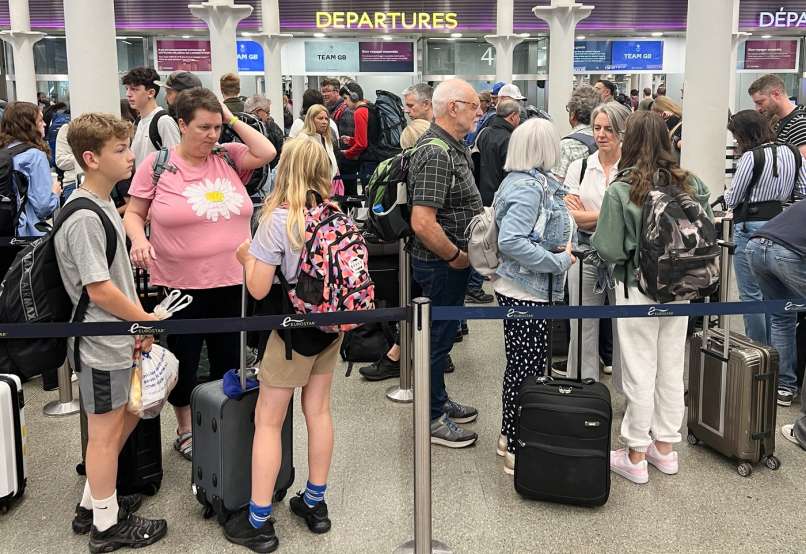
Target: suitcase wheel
<point>692,440</point>
<point>280,494</point>
<point>208,512</point>
<point>772,462</point>
<point>151,489</point>
<point>80,469</point>
<point>744,469</point>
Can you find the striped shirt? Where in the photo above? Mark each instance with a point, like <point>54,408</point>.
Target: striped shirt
<point>768,186</point>
<point>792,128</point>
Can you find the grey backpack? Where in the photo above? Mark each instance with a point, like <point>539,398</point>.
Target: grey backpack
<point>482,242</point>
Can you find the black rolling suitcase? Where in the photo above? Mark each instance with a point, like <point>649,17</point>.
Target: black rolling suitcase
<point>563,445</point>
<point>140,460</point>
<point>223,431</point>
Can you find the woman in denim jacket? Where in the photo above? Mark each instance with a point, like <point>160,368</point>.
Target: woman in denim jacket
<point>534,232</point>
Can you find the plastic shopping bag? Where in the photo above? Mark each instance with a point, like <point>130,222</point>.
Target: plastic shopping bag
<point>153,378</point>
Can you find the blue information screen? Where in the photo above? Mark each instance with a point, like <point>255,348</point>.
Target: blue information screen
<point>250,56</point>
<point>636,55</point>
<point>591,55</point>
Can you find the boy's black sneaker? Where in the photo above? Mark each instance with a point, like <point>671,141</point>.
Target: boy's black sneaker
<point>82,522</point>
<point>129,532</point>
<point>380,370</point>
<point>238,530</point>
<point>315,517</point>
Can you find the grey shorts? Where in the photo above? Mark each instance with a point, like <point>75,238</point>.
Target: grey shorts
<point>103,391</point>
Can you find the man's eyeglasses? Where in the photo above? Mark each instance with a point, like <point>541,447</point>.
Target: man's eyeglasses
<point>474,105</point>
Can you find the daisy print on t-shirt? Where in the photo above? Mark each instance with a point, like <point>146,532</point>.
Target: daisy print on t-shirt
<point>214,199</point>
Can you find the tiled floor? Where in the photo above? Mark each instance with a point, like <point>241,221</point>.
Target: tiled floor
<point>706,508</point>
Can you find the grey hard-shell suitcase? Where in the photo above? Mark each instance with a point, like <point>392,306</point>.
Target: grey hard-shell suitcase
<point>223,431</point>
<point>13,433</point>
<point>732,391</point>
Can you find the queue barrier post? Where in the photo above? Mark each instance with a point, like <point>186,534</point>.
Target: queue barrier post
<point>423,542</point>
<point>66,404</point>
<point>402,392</point>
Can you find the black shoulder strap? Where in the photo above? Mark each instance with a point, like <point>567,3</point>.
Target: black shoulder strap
<point>798,163</point>
<point>759,161</point>
<point>111,248</point>
<point>584,169</point>
<point>154,131</point>
<point>585,139</point>
<point>286,309</point>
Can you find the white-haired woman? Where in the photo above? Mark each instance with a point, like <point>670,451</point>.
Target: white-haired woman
<point>534,232</point>
<point>586,180</point>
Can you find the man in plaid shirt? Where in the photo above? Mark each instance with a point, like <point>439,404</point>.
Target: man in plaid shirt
<point>445,198</point>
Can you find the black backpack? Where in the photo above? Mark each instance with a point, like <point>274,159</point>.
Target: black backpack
<point>390,121</point>
<point>13,191</point>
<point>33,292</point>
<point>260,175</point>
<point>154,131</point>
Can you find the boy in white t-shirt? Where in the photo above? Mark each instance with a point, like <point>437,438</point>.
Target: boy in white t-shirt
<point>141,92</point>
<point>100,144</point>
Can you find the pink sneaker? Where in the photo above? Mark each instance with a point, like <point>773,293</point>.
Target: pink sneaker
<point>620,463</point>
<point>665,463</point>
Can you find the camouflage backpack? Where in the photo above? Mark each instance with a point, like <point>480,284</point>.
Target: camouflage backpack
<point>678,254</point>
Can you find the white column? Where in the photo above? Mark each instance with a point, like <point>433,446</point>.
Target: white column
<point>22,40</point>
<point>736,38</point>
<point>297,90</point>
<point>273,40</point>
<point>222,18</point>
<point>562,17</point>
<point>504,41</point>
<point>92,58</point>
<point>707,85</point>
<point>645,81</point>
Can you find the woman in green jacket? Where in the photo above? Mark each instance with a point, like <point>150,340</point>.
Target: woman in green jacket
<point>652,349</point>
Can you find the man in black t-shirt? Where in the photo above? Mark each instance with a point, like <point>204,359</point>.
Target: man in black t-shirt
<point>769,96</point>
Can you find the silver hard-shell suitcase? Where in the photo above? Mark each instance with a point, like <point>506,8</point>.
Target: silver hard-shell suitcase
<point>13,468</point>
<point>223,431</point>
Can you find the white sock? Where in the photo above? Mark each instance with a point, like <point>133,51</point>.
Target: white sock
<point>105,512</point>
<point>86,499</point>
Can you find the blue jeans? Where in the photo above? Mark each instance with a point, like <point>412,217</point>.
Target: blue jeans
<point>445,287</point>
<point>756,326</point>
<point>68,188</point>
<point>781,274</point>
<point>475,281</point>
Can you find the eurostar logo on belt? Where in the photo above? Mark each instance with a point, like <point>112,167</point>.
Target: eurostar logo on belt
<point>517,314</point>
<point>297,322</point>
<point>137,329</point>
<point>659,312</point>
<point>792,307</point>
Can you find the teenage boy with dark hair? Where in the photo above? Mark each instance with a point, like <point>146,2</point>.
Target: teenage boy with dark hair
<point>100,144</point>
<point>141,92</point>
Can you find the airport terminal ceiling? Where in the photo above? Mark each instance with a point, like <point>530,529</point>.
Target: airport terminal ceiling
<point>426,17</point>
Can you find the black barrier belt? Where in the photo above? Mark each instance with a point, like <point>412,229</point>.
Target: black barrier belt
<point>197,326</point>
<point>451,313</point>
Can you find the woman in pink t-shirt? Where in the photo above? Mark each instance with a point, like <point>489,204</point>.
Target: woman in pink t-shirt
<point>199,212</point>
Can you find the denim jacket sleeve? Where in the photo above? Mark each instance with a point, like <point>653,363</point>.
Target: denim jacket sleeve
<point>520,209</point>
<point>40,190</point>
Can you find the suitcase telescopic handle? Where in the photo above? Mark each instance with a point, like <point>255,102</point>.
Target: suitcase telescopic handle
<point>242,371</point>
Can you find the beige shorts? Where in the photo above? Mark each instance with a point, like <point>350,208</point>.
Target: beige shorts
<point>276,371</point>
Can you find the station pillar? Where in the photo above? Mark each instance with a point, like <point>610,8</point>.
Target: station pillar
<point>22,40</point>
<point>222,18</point>
<point>273,40</point>
<point>504,40</point>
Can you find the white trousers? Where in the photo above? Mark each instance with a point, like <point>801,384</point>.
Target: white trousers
<point>590,327</point>
<point>652,354</point>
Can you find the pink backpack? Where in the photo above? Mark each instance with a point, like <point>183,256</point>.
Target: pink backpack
<point>333,269</point>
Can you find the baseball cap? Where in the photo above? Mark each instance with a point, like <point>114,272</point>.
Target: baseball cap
<point>497,87</point>
<point>511,91</point>
<point>180,80</point>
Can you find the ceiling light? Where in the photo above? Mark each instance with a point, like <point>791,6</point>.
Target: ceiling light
<point>185,36</point>
<point>580,37</point>
<point>766,36</point>
<point>387,37</point>
<point>319,35</point>
<point>657,34</point>
<point>524,35</point>
<point>456,35</point>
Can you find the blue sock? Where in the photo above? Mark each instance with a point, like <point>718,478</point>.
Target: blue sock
<point>314,494</point>
<point>258,515</point>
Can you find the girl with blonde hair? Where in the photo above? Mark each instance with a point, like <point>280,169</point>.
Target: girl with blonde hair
<point>303,181</point>
<point>317,128</point>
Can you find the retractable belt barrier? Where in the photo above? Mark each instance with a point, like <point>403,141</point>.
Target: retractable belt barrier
<point>438,313</point>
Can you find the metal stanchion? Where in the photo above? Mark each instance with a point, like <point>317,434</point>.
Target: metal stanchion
<point>403,393</point>
<point>422,543</point>
<point>65,405</point>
